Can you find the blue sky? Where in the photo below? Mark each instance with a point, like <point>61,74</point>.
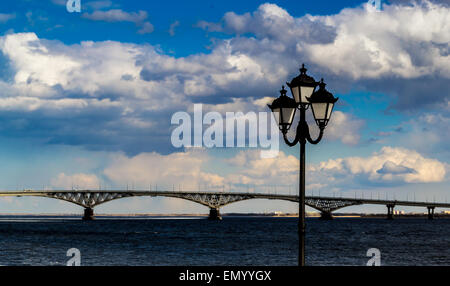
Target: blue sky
<point>87,98</point>
<point>161,14</point>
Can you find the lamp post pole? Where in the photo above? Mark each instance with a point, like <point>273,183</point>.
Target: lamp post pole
<point>322,103</point>
<point>301,203</point>
<point>301,137</point>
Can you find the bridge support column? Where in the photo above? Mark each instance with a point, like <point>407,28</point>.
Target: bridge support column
<point>430,212</point>
<point>88,214</point>
<point>214,214</point>
<point>326,216</point>
<point>390,213</point>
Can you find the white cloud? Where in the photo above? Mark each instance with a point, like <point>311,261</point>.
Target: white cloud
<point>344,127</point>
<point>247,171</point>
<point>269,20</point>
<point>89,68</point>
<point>241,71</point>
<point>371,44</point>
<point>391,164</point>
<point>33,103</point>
<point>77,181</point>
<point>29,60</point>
<point>183,170</point>
<point>357,42</point>
<point>189,171</point>
<point>132,79</point>
<point>388,167</point>
<point>96,68</point>
<point>254,170</point>
<point>118,15</point>
<point>356,48</point>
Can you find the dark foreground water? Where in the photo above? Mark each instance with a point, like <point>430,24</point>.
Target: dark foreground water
<point>233,241</point>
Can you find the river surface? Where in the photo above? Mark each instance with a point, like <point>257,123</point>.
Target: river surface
<point>236,241</point>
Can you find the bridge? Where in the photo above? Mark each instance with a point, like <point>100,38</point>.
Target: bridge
<point>88,199</point>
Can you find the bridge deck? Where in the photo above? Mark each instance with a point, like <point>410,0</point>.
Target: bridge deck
<point>243,196</point>
<point>385,202</point>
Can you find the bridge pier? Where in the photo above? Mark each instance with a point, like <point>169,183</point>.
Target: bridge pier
<point>88,214</point>
<point>390,213</point>
<point>326,216</point>
<point>430,212</point>
<point>214,214</point>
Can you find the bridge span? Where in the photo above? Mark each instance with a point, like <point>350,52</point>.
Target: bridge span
<point>88,199</point>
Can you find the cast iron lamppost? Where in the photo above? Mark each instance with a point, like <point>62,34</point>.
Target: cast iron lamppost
<point>284,107</point>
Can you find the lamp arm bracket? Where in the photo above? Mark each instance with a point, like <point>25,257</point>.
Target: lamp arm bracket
<point>290,144</point>
<point>298,135</point>
<point>310,140</point>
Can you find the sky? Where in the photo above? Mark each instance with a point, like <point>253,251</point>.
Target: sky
<point>87,98</point>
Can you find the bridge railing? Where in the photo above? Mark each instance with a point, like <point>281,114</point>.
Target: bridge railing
<point>249,188</point>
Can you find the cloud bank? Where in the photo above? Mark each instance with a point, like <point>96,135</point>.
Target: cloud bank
<point>120,96</point>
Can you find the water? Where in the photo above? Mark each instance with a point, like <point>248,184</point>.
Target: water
<point>233,241</point>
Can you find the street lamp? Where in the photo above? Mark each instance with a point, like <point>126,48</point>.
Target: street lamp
<point>322,103</point>
<point>284,109</point>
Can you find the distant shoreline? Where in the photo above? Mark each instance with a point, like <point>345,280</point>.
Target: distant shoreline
<point>286,215</point>
<point>148,215</point>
